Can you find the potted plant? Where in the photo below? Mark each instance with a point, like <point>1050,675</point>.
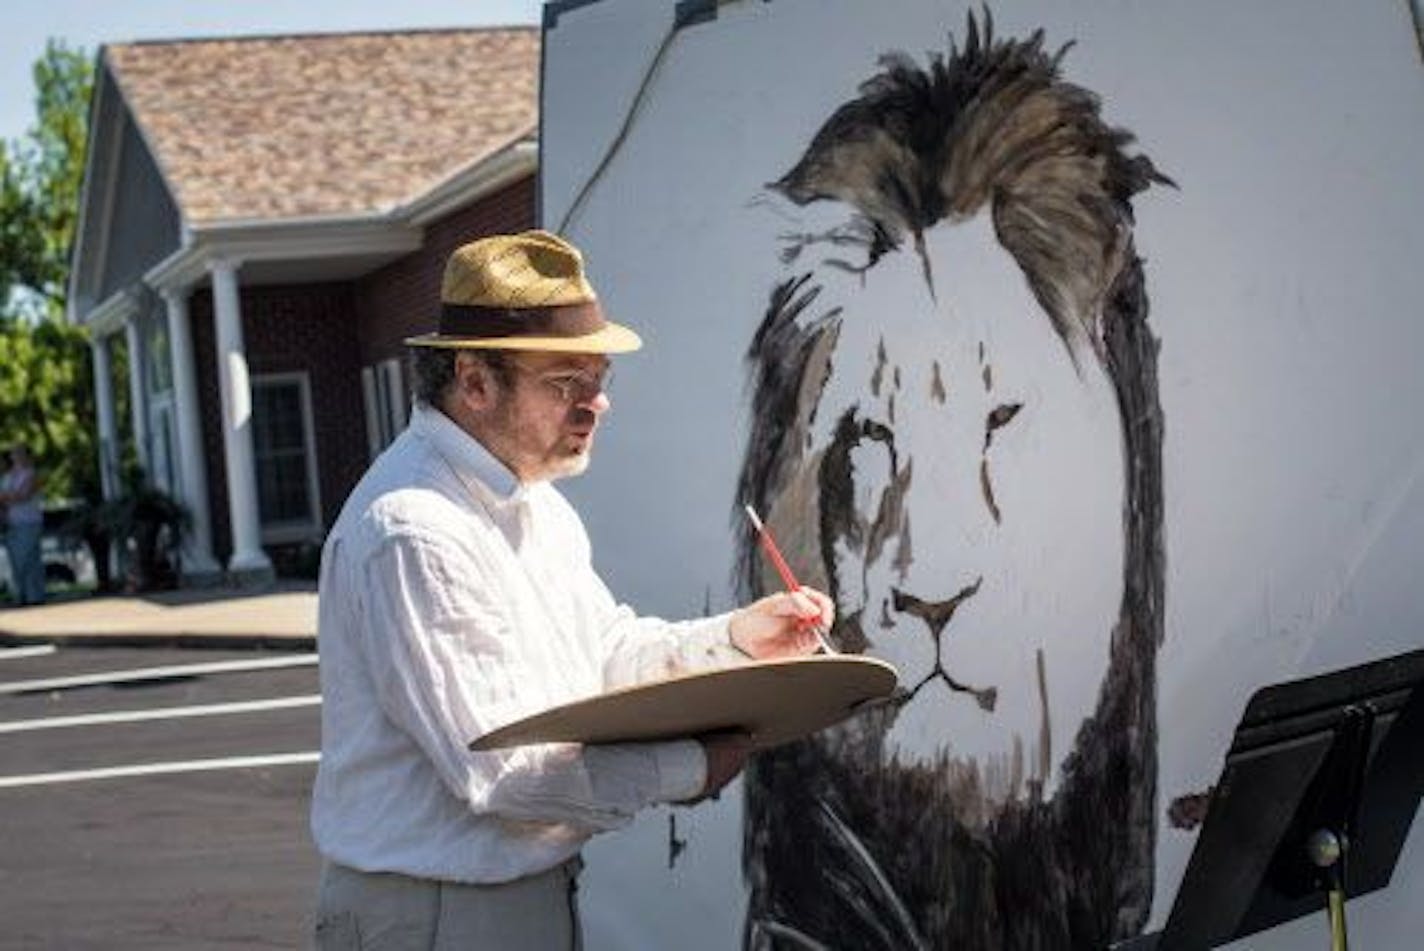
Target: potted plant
<point>93,522</point>
<point>154,524</point>
<point>147,523</point>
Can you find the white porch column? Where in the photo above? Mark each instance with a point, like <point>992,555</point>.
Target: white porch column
<point>138,405</point>
<point>108,425</point>
<point>247,554</point>
<point>193,476</point>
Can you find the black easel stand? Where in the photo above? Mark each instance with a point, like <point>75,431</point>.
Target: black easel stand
<point>1313,806</point>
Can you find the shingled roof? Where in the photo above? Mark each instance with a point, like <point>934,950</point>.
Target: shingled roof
<point>281,127</point>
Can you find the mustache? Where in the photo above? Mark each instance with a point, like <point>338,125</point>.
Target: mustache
<point>583,417</point>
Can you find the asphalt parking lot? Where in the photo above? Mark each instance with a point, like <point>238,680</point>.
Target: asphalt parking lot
<point>156,797</point>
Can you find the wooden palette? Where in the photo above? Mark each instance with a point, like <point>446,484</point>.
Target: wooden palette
<point>773,701</point>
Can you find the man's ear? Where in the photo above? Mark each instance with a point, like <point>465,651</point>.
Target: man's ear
<point>475,384</point>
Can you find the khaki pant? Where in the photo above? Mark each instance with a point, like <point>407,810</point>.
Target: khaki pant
<point>389,912</point>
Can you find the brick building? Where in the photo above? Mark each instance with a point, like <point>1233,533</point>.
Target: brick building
<point>263,222</point>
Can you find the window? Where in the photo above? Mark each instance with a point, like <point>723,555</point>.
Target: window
<point>157,355</point>
<point>285,451</point>
<point>387,408</point>
<point>163,464</point>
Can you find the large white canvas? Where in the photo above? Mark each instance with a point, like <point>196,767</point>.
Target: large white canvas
<point>1283,277</point>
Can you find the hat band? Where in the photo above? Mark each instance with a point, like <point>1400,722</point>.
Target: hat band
<point>477,322</point>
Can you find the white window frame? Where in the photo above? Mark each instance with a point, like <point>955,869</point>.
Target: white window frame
<point>310,528</point>
<point>163,431</point>
<point>386,404</point>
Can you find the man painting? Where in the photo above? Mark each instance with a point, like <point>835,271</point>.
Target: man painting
<point>457,594</point>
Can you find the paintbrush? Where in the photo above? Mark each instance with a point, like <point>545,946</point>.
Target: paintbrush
<point>768,545</point>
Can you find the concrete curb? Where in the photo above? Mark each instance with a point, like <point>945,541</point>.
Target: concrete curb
<point>183,639</point>
<point>283,619</point>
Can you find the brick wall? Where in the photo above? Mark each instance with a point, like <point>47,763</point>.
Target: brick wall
<point>294,328</point>
<point>331,331</point>
<point>402,299</point>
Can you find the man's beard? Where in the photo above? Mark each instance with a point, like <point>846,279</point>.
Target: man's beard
<point>576,454</point>
<point>572,464</point>
<point>568,459</point>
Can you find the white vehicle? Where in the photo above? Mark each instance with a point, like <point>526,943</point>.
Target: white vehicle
<point>67,562</point>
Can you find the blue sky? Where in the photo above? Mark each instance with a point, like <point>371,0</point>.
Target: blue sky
<point>26,24</point>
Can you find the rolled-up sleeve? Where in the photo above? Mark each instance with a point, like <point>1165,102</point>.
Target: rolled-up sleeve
<point>447,661</point>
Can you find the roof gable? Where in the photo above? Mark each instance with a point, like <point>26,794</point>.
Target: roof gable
<point>298,126</point>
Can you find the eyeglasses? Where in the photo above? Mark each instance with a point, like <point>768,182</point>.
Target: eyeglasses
<point>572,386</point>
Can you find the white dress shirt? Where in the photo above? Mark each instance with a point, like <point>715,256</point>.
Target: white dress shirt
<point>453,600</point>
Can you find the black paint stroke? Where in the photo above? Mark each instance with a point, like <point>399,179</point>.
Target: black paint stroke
<point>779,439</point>
<point>1189,811</point>
<point>999,417</point>
<point>937,615</point>
<point>676,846</point>
<point>877,376</point>
<point>986,489</point>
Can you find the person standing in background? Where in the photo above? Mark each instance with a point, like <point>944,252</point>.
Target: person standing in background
<point>20,494</point>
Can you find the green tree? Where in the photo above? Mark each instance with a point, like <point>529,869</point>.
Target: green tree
<point>41,175</point>
<point>46,384</point>
<point>47,402</point>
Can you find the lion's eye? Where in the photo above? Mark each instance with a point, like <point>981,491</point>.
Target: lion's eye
<point>999,417</point>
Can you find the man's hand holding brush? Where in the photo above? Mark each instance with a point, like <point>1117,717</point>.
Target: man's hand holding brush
<point>789,624</point>
<point>785,624</point>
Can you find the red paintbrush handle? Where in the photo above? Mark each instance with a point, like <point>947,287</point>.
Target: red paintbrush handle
<point>768,544</point>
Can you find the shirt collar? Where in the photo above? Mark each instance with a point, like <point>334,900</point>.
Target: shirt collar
<point>476,466</point>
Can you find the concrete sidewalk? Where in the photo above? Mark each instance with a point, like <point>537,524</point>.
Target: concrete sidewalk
<point>284,617</point>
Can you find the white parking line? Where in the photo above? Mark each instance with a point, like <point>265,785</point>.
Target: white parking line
<point>155,769</point>
<point>160,713</point>
<point>15,653</point>
<point>157,673</point>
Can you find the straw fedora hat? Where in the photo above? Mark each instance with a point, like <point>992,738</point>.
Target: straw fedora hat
<point>522,291</point>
